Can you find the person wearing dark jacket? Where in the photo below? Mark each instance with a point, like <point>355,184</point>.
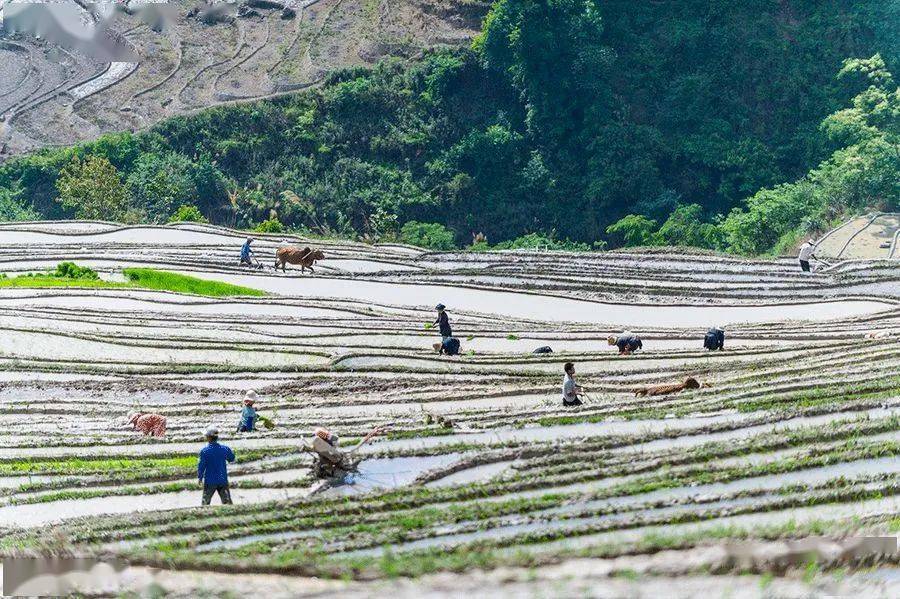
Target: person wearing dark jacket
<point>450,346</point>
<point>714,339</point>
<point>627,343</point>
<point>212,467</point>
<point>443,321</point>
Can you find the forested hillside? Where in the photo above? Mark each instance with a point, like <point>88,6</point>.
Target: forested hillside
<point>574,123</point>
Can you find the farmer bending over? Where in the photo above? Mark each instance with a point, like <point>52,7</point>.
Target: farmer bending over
<point>248,414</point>
<point>449,346</point>
<point>570,389</point>
<point>247,253</point>
<point>806,252</point>
<point>212,469</point>
<point>714,339</point>
<point>627,342</point>
<point>325,446</point>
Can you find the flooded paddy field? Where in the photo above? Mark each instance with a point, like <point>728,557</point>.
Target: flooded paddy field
<point>793,434</point>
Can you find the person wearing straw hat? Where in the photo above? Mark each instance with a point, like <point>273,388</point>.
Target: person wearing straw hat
<point>212,467</point>
<point>248,413</point>
<point>627,343</point>
<point>332,460</point>
<point>806,252</point>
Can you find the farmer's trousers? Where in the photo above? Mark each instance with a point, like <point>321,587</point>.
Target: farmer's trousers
<point>224,493</point>
<point>804,264</point>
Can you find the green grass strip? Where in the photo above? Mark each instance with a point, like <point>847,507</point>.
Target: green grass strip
<point>139,278</point>
<point>149,278</point>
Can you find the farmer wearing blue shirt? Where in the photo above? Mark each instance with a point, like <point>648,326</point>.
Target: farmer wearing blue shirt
<point>248,414</point>
<point>212,469</point>
<point>246,252</point>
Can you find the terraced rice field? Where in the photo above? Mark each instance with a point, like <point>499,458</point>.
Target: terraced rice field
<point>874,236</point>
<point>187,56</point>
<point>787,454</point>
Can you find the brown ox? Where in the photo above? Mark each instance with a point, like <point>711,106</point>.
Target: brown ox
<point>293,255</point>
<point>689,383</point>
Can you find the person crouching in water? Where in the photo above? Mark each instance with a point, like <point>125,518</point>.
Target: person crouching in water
<point>714,339</point>
<point>334,461</point>
<point>248,414</point>
<point>570,389</point>
<point>627,342</point>
<point>448,346</point>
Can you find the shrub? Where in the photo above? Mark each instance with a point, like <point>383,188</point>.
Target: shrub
<point>70,270</point>
<point>188,213</point>
<point>541,241</point>
<point>93,189</point>
<point>429,235</point>
<point>634,230</point>
<point>271,225</point>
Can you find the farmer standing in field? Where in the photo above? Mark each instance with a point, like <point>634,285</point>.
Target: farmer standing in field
<point>443,321</point>
<point>212,468</point>
<point>570,389</point>
<point>248,413</point>
<point>806,252</point>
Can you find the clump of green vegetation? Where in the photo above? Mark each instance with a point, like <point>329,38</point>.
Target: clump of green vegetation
<point>188,213</point>
<point>149,278</point>
<point>271,225</point>
<point>69,274</point>
<point>70,270</point>
<point>434,236</point>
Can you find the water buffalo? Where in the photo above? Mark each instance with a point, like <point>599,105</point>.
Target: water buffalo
<point>305,257</point>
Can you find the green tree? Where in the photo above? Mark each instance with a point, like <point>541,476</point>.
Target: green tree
<point>13,209</point>
<point>93,188</point>
<point>634,230</point>
<point>187,213</point>
<point>685,226</point>
<point>272,225</point>
<point>429,235</point>
<point>159,183</point>
<point>862,175</point>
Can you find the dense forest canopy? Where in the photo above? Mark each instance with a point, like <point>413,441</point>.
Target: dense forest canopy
<point>570,123</point>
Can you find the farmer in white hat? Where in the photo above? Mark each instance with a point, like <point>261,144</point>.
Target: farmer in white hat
<point>212,468</point>
<point>332,460</point>
<point>248,413</point>
<point>806,252</point>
